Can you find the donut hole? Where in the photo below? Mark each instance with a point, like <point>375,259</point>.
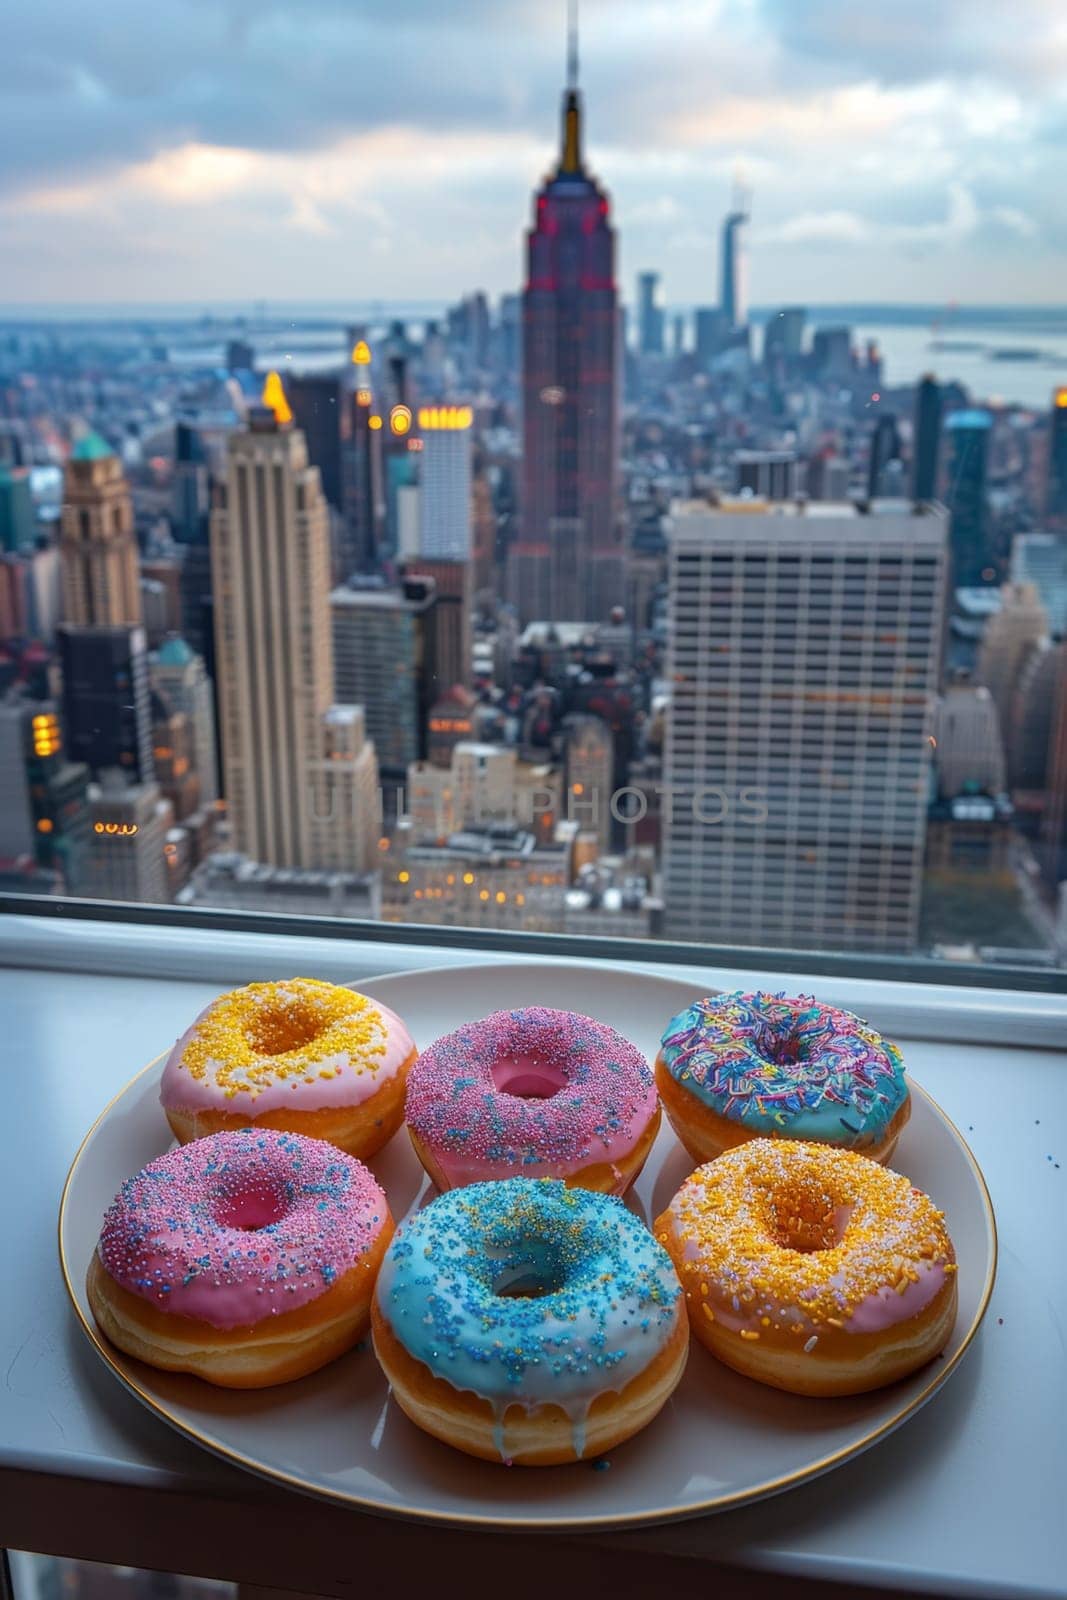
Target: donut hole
<point>804,1218</point>
<point>784,1049</point>
<point>250,1209</point>
<point>526,1283</point>
<point>275,1030</point>
<point>527,1077</point>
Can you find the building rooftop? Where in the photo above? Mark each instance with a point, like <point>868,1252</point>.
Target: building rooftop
<point>973,418</point>
<point>800,521</point>
<point>978,601</point>
<point>369,599</point>
<point>174,652</point>
<point>91,447</point>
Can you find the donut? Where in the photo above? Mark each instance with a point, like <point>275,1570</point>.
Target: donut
<point>533,1094</point>
<point>755,1066</point>
<point>299,1056</point>
<point>247,1258</point>
<point>811,1269</point>
<point>527,1322</point>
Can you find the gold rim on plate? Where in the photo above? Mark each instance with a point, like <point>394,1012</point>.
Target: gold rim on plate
<point>661,1514</point>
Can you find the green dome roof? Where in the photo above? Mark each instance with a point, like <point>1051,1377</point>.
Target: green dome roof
<point>90,447</point>
<point>174,652</point>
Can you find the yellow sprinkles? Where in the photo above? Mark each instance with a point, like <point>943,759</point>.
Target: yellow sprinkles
<point>269,1033</point>
<point>779,1229</point>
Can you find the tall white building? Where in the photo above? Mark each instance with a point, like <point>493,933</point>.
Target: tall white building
<point>287,749</point>
<point>445,483</point>
<point>803,663</point>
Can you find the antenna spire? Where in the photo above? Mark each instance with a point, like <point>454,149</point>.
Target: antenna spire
<point>572,44</point>
<point>571,155</point>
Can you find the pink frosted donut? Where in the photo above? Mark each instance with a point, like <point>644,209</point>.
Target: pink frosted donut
<point>299,1056</point>
<point>248,1258</point>
<point>533,1094</point>
<point>812,1269</point>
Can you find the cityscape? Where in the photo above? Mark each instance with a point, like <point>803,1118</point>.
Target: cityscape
<point>553,611</point>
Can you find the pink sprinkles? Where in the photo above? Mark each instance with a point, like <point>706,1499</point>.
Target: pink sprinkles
<point>580,1094</point>
<point>241,1226</point>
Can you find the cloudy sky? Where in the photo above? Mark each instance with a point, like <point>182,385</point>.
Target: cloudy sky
<point>335,149</point>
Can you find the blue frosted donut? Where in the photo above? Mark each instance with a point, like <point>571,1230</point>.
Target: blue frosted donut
<point>527,1314</point>
<point>745,1066</point>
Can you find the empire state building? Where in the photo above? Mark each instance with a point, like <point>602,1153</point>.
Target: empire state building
<point>568,562</point>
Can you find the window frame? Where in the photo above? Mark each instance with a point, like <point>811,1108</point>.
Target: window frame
<point>824,964</point>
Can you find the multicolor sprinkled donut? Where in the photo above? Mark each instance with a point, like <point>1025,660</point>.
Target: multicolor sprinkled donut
<point>300,1056</point>
<point>533,1094</point>
<point>747,1066</point>
<point>247,1258</point>
<point>812,1269</point>
<point>529,1322</point>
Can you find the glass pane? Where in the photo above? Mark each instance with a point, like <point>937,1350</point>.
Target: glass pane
<point>625,499</point>
<point>37,1577</point>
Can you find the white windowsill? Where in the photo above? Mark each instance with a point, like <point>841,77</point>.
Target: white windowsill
<point>936,1011</point>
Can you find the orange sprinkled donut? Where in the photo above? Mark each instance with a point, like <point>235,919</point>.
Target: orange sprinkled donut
<point>300,1056</point>
<point>811,1269</point>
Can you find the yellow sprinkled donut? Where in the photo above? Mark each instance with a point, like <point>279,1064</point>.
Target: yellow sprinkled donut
<point>300,1056</point>
<point>811,1269</point>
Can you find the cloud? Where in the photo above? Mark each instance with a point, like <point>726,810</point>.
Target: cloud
<point>330,147</point>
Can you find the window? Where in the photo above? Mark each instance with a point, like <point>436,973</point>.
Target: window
<point>695,608</point>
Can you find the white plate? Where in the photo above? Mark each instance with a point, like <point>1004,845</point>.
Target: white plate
<point>722,1440</point>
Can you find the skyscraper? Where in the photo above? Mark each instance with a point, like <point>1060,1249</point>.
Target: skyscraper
<point>173,757</point>
<point>831,352</point>
<point>318,402</point>
<point>347,820</point>
<point>445,617</point>
<point>97,546</point>
<point>1010,635</point>
<point>376,648</point>
<point>179,675</point>
<point>1056,501</point>
<point>361,463</point>
<point>190,529</point>
<point>783,340</point>
<point>650,316</point>
<point>711,333</point>
<point>732,266</point>
<point>968,742</point>
<point>17,519</point>
<point>444,473</point>
<point>106,712</point>
<point>271,566</point>
<point>44,811</point>
<point>1029,732</point>
<point>568,561</point>
<point>190,497</point>
<point>128,832</point>
<point>965,494</point>
<point>885,447</point>
<point>1041,559</point>
<point>926,446</point>
<point>590,756</point>
<point>803,662</point>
